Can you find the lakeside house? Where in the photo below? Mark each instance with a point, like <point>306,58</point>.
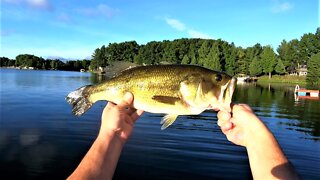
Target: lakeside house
<point>302,70</point>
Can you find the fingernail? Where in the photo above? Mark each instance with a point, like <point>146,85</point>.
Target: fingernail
<point>127,95</point>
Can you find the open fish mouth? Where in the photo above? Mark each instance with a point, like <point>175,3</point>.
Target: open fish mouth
<point>227,92</point>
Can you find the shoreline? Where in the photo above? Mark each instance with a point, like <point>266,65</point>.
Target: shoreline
<point>288,79</point>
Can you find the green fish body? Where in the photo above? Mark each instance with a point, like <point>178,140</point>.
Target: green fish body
<point>170,89</point>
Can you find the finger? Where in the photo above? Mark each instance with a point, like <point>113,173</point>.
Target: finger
<point>109,106</point>
<point>127,100</point>
<point>130,110</point>
<point>223,115</point>
<point>227,127</point>
<point>128,97</point>
<point>136,115</point>
<point>241,107</point>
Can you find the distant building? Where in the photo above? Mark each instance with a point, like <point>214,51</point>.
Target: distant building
<point>302,70</point>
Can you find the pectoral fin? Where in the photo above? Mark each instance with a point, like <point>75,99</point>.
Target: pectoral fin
<point>167,120</point>
<point>166,99</point>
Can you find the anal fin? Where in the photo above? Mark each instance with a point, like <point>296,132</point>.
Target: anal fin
<point>167,120</point>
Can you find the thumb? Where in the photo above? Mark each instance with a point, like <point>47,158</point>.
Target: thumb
<point>127,100</point>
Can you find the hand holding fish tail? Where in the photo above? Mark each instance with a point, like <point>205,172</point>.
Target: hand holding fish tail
<point>116,127</point>
<point>242,127</point>
<point>119,119</point>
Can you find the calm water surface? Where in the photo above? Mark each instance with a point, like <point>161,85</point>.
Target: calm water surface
<point>41,139</point>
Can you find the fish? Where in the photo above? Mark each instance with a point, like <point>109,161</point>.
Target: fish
<point>167,89</point>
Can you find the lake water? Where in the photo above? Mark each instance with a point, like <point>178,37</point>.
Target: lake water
<point>41,139</point>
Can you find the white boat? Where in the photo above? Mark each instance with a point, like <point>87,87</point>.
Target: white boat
<point>242,78</point>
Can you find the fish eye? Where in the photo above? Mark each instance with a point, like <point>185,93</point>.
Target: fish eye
<point>218,77</point>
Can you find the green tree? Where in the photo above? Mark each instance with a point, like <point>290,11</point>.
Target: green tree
<point>194,60</point>
<point>85,64</point>
<point>185,60</point>
<point>124,51</point>
<point>230,66</point>
<point>28,60</point>
<point>280,68</point>
<point>309,44</point>
<point>313,76</point>
<point>193,52</point>
<point>171,52</point>
<point>285,53</point>
<point>212,61</point>
<point>255,68</point>
<point>11,62</point>
<point>241,63</point>
<point>268,58</point>
<point>203,52</point>
<point>56,64</point>
<point>4,61</point>
<point>99,58</point>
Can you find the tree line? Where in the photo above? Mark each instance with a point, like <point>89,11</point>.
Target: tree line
<point>214,54</point>
<point>220,55</point>
<point>28,60</point>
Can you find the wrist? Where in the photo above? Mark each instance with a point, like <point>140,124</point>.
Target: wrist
<point>258,134</point>
<point>110,136</point>
<point>259,137</point>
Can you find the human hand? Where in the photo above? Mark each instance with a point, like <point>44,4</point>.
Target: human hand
<point>241,126</point>
<point>266,158</point>
<point>118,119</point>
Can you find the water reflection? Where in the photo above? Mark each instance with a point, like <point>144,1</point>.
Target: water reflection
<point>277,100</point>
<point>41,139</point>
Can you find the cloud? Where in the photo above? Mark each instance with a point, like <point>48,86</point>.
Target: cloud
<point>102,10</point>
<point>197,34</point>
<point>39,4</point>
<point>178,25</point>
<point>35,4</point>
<point>279,7</point>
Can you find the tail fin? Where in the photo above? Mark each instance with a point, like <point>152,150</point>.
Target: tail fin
<point>79,101</point>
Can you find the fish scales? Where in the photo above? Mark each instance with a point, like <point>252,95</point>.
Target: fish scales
<point>170,89</point>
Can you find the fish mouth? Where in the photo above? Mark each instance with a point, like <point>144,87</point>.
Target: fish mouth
<point>226,93</point>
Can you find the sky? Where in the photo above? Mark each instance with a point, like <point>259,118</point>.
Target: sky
<point>73,29</point>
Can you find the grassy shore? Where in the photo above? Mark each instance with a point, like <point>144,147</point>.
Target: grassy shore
<point>301,80</point>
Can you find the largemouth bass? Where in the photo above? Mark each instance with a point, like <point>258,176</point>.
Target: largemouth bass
<point>170,89</point>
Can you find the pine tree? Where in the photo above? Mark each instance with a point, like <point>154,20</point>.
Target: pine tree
<point>203,52</point>
<point>255,67</point>
<point>280,68</point>
<point>313,76</point>
<point>241,64</point>
<point>231,62</point>
<point>212,61</point>
<point>194,60</point>
<point>185,60</point>
<point>268,59</point>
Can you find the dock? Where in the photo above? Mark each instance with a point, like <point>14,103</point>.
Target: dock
<point>306,93</point>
